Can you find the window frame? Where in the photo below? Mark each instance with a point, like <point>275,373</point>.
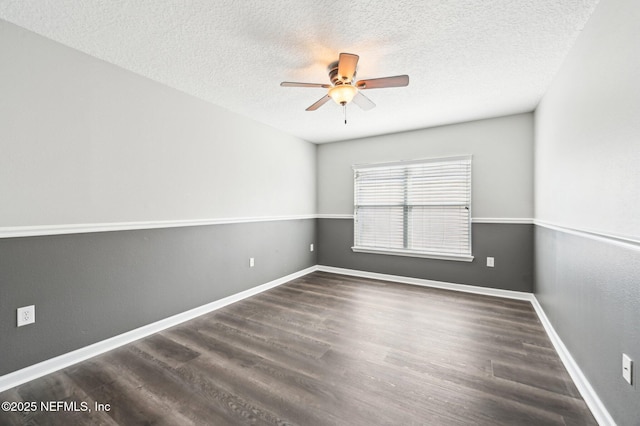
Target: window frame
<point>405,165</point>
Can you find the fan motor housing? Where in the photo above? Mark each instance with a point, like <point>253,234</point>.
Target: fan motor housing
<point>334,77</point>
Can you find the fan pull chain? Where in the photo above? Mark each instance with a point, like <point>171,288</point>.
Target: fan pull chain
<point>344,110</point>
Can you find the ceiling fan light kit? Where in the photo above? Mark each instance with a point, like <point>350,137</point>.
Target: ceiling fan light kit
<point>342,89</point>
<point>343,93</point>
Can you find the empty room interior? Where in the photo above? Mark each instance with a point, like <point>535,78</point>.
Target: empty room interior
<point>310,213</point>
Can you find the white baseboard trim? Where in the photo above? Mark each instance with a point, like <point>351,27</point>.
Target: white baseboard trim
<point>35,371</point>
<point>43,368</point>
<point>509,294</point>
<point>589,395</point>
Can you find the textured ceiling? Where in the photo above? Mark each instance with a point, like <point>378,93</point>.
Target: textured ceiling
<point>467,59</point>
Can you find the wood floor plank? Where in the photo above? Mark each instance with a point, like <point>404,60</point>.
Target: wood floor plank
<point>285,340</point>
<point>239,372</point>
<point>327,349</point>
<point>130,401</point>
<point>536,377</point>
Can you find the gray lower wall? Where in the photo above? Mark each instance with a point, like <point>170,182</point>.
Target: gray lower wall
<point>590,292</point>
<point>510,244</point>
<point>89,287</point>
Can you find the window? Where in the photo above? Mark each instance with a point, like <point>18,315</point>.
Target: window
<point>414,208</point>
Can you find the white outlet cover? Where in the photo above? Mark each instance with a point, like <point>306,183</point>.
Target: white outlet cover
<point>251,262</point>
<point>490,262</point>
<point>26,315</point>
<point>627,368</point>
<point>310,247</point>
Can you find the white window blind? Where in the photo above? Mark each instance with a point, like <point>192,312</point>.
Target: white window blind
<point>418,208</point>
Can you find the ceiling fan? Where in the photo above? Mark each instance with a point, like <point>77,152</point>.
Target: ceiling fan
<point>343,90</point>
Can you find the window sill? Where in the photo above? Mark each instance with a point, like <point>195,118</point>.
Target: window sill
<point>459,258</point>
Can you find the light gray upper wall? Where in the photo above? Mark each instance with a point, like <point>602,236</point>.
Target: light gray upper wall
<point>502,150</point>
<point>83,141</point>
<point>587,152</point>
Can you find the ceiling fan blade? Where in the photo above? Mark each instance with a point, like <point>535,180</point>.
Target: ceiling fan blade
<point>363,102</point>
<point>319,103</point>
<point>379,83</point>
<point>347,63</point>
<point>294,84</point>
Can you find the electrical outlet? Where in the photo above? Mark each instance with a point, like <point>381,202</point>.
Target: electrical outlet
<point>310,247</point>
<point>490,262</point>
<point>627,368</point>
<point>252,262</point>
<point>26,315</point>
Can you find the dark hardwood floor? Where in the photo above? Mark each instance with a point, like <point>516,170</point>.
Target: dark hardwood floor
<point>326,349</point>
